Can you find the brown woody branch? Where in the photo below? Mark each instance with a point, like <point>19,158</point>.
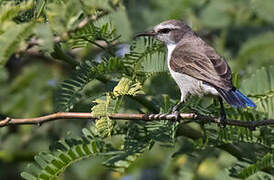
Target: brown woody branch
<point>145,117</point>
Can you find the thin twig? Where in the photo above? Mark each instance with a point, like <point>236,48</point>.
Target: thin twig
<point>145,117</point>
<point>65,35</point>
<point>99,45</point>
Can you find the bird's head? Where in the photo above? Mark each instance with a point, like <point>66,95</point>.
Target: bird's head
<point>169,32</point>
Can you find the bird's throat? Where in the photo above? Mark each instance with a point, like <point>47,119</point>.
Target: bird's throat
<point>170,48</point>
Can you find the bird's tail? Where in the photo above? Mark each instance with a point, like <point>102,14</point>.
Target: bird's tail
<point>235,98</point>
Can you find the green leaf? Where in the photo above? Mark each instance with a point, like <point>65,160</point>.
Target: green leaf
<point>258,51</point>
<point>104,126</point>
<point>103,107</point>
<point>10,10</point>
<point>92,5</point>
<point>39,8</point>
<point>3,75</point>
<point>40,161</point>
<point>147,56</point>
<point>52,164</point>
<point>242,170</point>
<point>155,63</point>
<point>68,93</point>
<point>262,91</point>
<point>65,158</point>
<point>127,87</point>
<point>45,35</point>
<point>64,16</point>
<point>91,33</point>
<point>264,9</point>
<point>27,176</point>
<point>121,23</point>
<point>120,162</point>
<point>10,40</point>
<point>215,14</point>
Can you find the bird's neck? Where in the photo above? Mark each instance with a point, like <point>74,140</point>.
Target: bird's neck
<point>170,48</point>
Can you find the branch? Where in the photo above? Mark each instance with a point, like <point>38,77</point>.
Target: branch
<point>145,117</point>
<point>63,37</point>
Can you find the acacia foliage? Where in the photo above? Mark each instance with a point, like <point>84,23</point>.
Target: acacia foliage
<point>133,82</point>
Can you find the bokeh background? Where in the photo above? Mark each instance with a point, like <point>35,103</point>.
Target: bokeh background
<point>240,30</point>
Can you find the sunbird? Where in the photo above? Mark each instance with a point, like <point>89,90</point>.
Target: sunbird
<point>196,67</point>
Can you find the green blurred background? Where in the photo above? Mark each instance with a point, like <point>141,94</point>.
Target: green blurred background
<point>240,30</point>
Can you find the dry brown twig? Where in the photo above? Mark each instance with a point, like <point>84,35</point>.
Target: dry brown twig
<point>145,117</point>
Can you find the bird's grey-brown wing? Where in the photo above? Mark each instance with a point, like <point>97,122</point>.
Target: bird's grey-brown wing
<point>201,62</point>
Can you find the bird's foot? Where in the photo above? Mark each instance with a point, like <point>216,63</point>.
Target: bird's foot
<point>222,121</point>
<point>176,115</point>
<point>175,111</point>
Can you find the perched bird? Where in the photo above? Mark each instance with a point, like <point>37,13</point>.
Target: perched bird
<point>196,67</point>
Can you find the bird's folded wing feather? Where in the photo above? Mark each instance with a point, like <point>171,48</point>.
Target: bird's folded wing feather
<point>203,63</point>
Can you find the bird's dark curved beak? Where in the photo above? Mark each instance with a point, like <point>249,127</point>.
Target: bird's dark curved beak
<point>148,33</point>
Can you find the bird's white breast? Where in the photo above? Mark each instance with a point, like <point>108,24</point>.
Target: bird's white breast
<point>187,84</point>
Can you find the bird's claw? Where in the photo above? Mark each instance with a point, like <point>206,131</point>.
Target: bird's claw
<point>176,115</point>
<point>222,122</point>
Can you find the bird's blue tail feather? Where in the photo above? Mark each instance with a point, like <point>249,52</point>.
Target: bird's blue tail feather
<point>235,98</point>
<point>247,101</point>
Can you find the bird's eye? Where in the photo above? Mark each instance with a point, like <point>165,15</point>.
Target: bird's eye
<point>165,31</point>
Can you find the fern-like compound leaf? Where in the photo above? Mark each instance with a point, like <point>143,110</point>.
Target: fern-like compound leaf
<point>51,164</point>
<point>244,170</point>
<point>10,40</point>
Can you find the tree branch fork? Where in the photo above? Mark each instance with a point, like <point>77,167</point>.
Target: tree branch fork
<point>8,121</point>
